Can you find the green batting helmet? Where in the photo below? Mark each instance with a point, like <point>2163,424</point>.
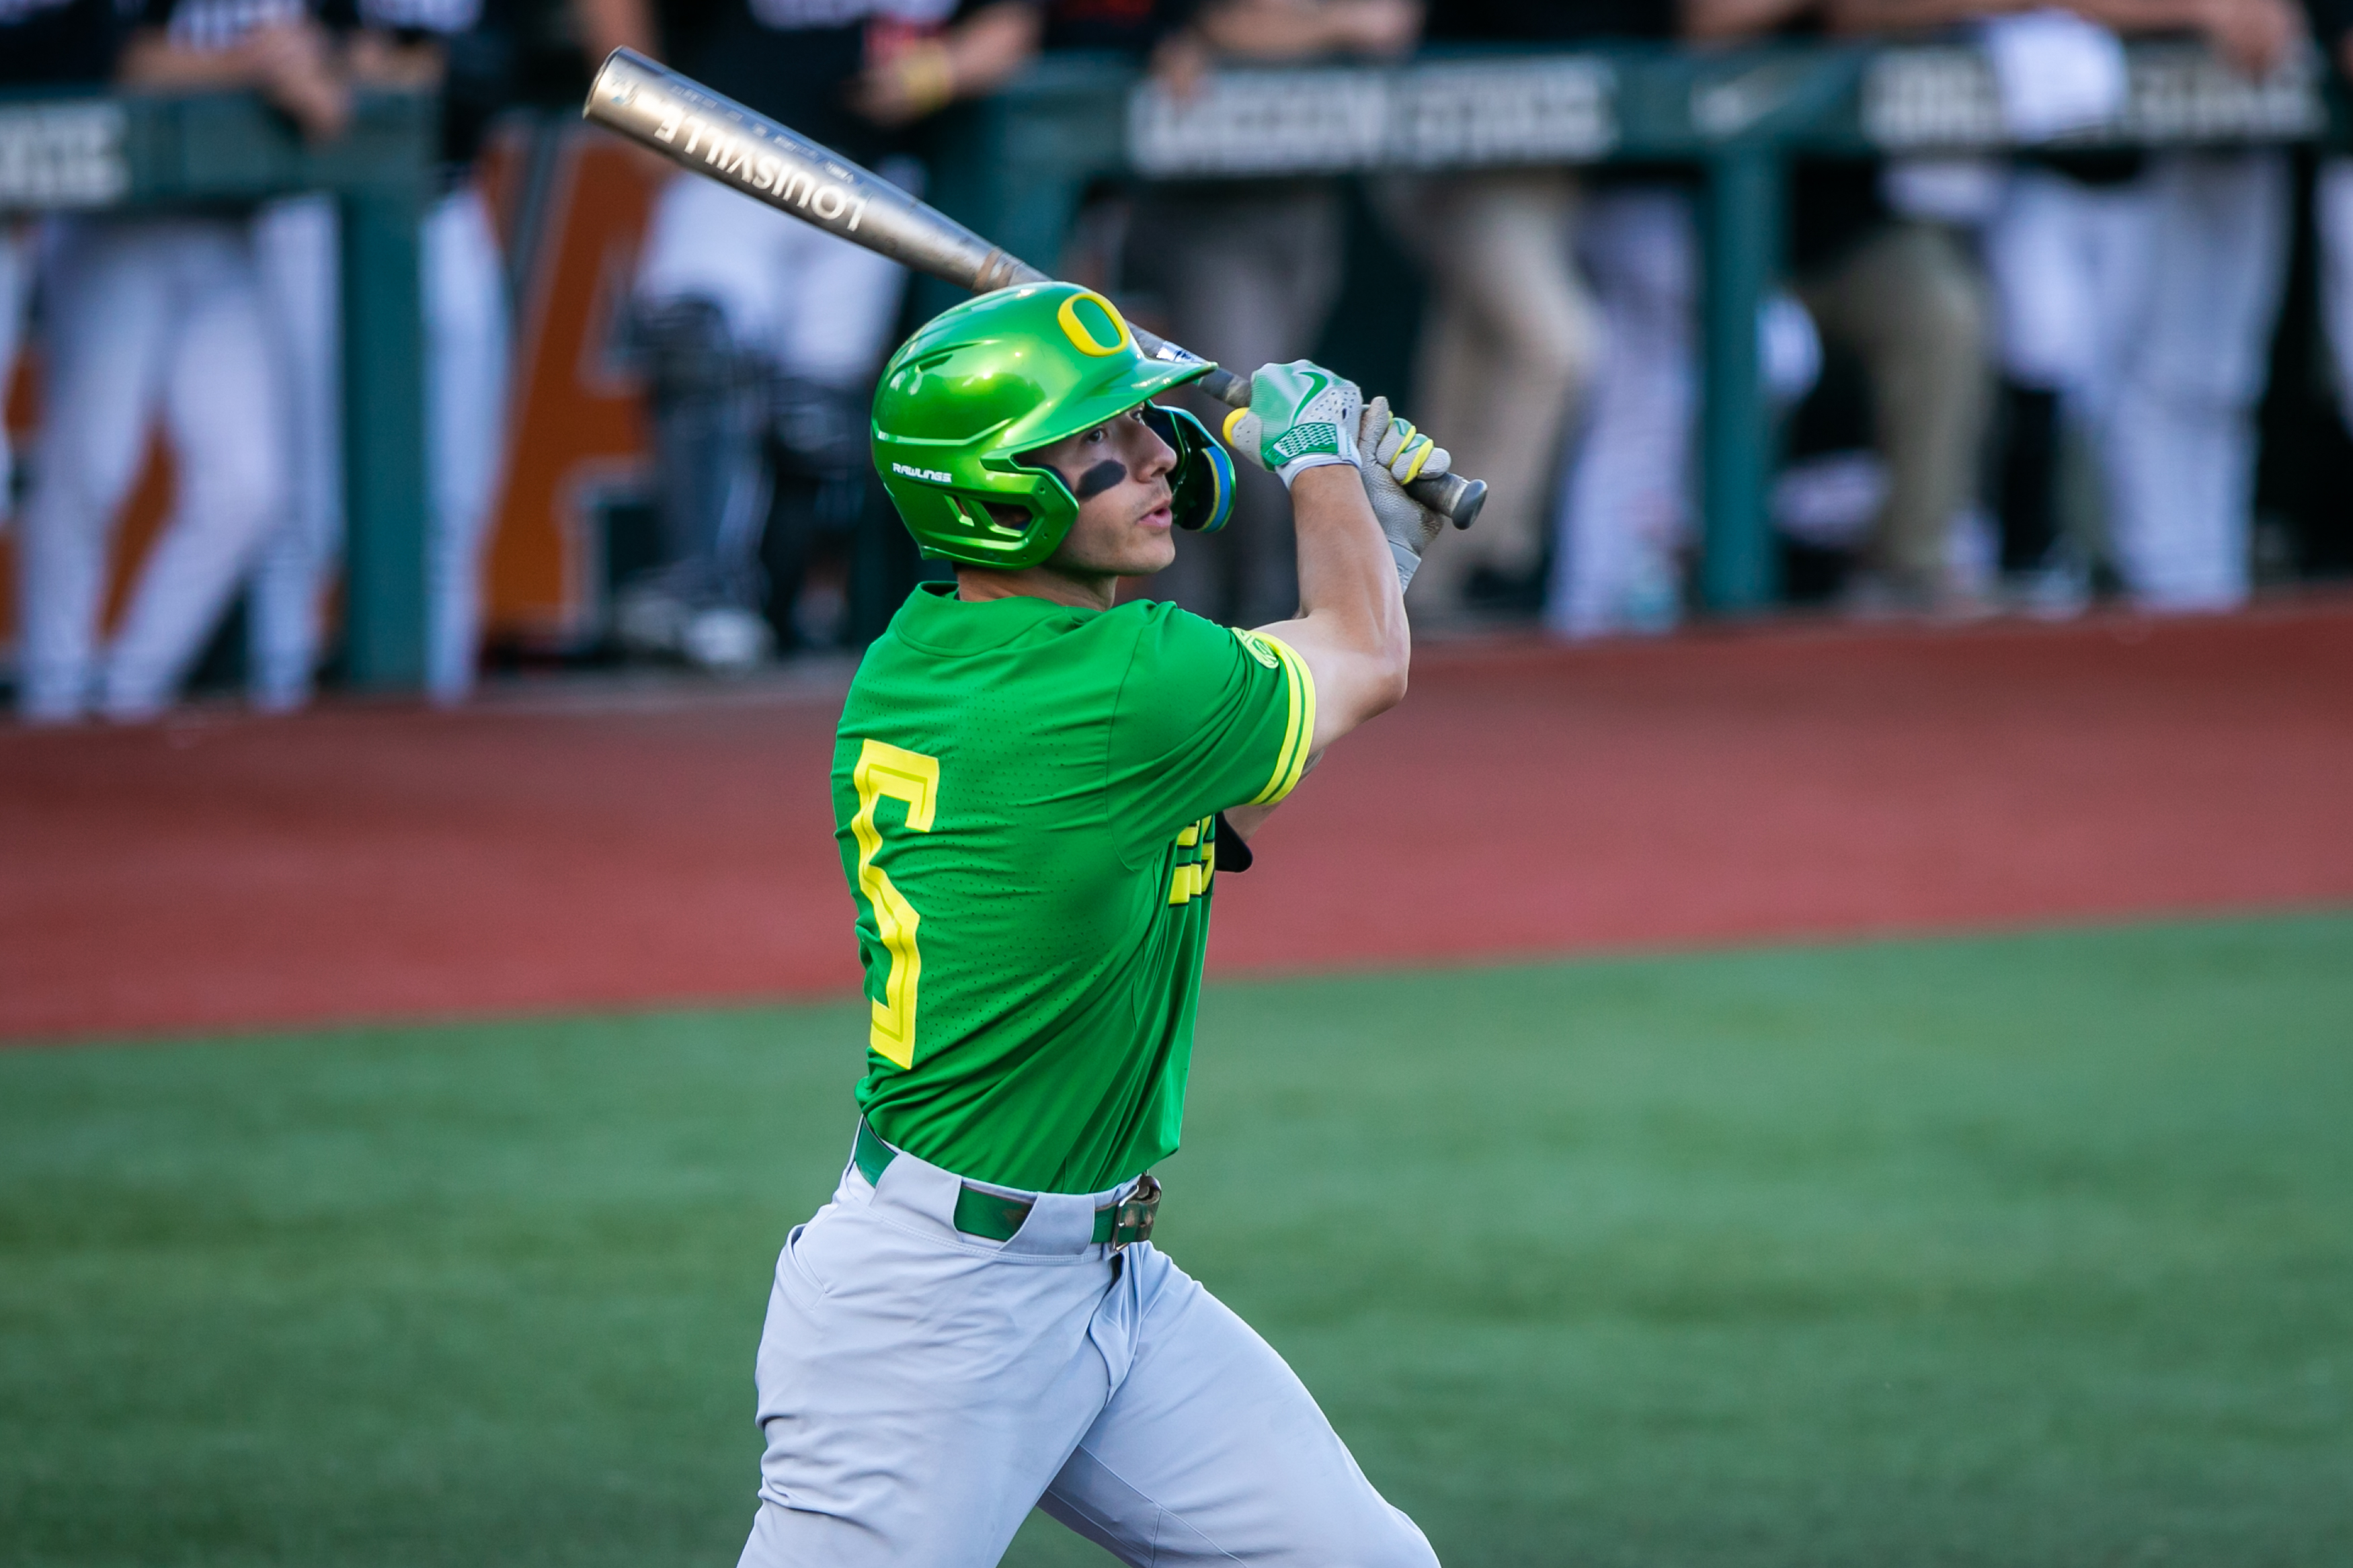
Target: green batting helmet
<point>1007,373</point>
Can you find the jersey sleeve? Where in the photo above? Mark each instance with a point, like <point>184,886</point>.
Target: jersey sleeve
<point>1207,717</point>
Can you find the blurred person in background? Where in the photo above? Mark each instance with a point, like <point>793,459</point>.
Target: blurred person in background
<point>754,324</point>
<point>2137,294</point>
<point>1626,510</point>
<point>1903,295</point>
<point>1511,339</point>
<point>1247,270</point>
<point>465,51</point>
<point>2332,26</point>
<point>62,43</point>
<point>164,312</point>
<point>1625,506</point>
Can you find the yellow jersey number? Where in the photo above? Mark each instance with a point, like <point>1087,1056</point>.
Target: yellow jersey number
<point>885,772</point>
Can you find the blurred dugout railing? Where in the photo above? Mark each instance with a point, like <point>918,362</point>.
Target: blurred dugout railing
<point>93,153</point>
<point>1018,164</point>
<point>1015,167</point>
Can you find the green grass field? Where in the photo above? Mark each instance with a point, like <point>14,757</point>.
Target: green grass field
<point>2018,1251</point>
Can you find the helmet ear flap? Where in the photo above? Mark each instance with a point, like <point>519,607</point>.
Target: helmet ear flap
<point>1201,485</point>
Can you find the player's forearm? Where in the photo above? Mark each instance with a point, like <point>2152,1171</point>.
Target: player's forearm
<point>2142,15</point>
<point>1296,29</point>
<point>2253,36</point>
<point>292,64</point>
<point>1725,21</point>
<point>603,26</point>
<point>1913,15</point>
<point>1351,627</point>
<point>976,56</point>
<point>151,62</point>
<point>985,51</point>
<point>380,60</point>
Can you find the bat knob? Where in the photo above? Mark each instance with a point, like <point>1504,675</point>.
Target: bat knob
<point>1465,510</point>
<point>1451,496</point>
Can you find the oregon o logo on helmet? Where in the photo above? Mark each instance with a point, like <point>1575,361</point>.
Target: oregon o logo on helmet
<point>1083,337</point>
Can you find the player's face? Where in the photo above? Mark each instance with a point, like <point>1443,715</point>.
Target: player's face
<point>1119,472</point>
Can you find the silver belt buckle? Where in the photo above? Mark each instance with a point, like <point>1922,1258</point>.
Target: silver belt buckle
<point>1133,1221</point>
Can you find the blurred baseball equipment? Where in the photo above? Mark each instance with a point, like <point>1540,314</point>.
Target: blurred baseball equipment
<point>1395,455</point>
<point>1056,359</point>
<point>673,115</point>
<point>709,399</point>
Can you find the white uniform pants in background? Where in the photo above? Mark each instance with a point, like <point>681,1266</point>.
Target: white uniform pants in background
<point>1626,506</point>
<point>819,308</point>
<point>294,243</point>
<point>2148,307</point>
<point>2180,450</point>
<point>921,1389</point>
<point>2066,259</point>
<point>466,379</point>
<point>147,311</point>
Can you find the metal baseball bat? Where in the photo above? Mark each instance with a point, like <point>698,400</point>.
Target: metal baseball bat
<point>686,123</point>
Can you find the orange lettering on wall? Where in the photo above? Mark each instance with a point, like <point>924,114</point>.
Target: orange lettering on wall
<point>17,401</point>
<point>579,424</point>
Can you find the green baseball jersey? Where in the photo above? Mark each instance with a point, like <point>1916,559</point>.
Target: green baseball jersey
<point>1025,797</point>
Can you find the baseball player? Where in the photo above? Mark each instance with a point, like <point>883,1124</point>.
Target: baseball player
<point>451,46</point>
<point>2135,298</point>
<point>1624,512</point>
<point>2332,26</point>
<point>1034,791</point>
<point>58,44</point>
<point>163,312</point>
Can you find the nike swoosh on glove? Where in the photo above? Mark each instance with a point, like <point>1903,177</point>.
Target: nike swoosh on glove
<point>1400,454</point>
<point>1300,417</point>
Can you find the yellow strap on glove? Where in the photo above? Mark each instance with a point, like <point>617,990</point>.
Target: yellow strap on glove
<point>1395,454</point>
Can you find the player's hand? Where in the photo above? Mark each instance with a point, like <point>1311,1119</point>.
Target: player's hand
<point>907,84</point>
<point>1300,417</point>
<point>2253,35</point>
<point>1381,29</point>
<point>1396,455</point>
<point>294,65</point>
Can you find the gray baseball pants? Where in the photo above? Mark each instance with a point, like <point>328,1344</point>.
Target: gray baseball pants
<point>921,1389</point>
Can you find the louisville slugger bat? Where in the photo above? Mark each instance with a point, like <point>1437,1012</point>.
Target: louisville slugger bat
<point>695,128</point>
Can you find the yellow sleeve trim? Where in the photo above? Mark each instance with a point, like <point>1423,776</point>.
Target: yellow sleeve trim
<point>1299,725</point>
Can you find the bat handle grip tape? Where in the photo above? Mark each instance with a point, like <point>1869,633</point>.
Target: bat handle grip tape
<point>1451,496</point>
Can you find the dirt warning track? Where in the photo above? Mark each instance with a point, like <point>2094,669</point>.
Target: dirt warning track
<point>378,863</point>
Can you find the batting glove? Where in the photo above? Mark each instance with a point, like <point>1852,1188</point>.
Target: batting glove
<point>1400,455</point>
<point>1300,417</point>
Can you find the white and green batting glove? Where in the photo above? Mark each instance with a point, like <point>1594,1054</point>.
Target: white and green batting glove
<point>1399,455</point>
<point>1300,417</point>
